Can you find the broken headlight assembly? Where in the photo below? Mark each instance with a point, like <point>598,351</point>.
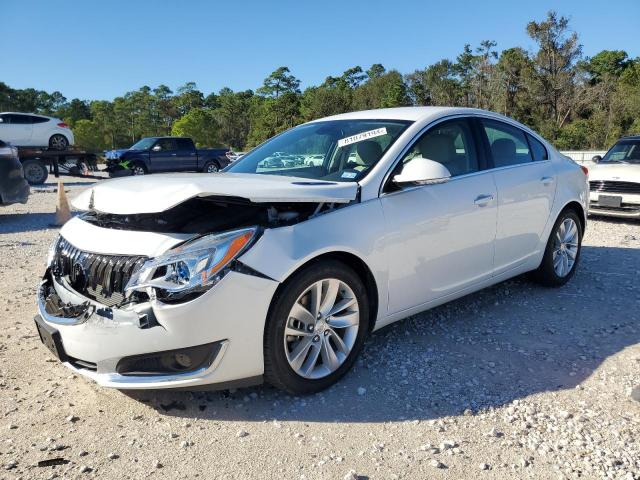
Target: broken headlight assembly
<point>192,268</point>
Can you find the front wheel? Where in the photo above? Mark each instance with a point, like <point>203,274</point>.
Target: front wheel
<point>139,169</point>
<point>316,328</point>
<point>562,253</point>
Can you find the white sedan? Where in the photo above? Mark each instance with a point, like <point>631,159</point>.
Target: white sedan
<point>615,181</point>
<point>279,274</point>
<point>30,130</point>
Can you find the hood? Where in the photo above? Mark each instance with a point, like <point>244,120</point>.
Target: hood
<point>619,172</point>
<point>157,193</point>
<point>115,154</point>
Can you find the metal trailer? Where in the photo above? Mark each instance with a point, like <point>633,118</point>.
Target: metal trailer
<point>38,163</point>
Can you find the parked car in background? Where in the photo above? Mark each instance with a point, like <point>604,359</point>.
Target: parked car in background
<point>614,183</point>
<point>234,156</point>
<point>166,154</point>
<point>13,187</point>
<point>31,130</point>
<point>281,273</point>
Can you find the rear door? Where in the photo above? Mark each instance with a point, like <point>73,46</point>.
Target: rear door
<point>186,154</point>
<point>526,184</point>
<point>163,156</point>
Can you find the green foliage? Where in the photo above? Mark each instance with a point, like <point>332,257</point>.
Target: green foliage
<point>200,125</point>
<point>573,101</point>
<point>88,135</point>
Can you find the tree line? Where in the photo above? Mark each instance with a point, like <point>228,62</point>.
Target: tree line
<point>574,101</point>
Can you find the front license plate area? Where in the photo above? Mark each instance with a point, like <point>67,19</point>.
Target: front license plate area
<point>51,339</point>
<point>614,201</point>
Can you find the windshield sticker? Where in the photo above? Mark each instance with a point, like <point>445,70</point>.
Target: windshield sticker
<point>343,142</point>
<point>349,174</point>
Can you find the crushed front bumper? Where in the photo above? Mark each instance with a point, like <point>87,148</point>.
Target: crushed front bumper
<point>94,338</point>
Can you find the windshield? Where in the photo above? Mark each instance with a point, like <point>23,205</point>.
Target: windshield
<point>144,144</point>
<point>336,150</point>
<point>625,151</point>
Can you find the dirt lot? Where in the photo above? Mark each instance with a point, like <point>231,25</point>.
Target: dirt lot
<point>516,381</point>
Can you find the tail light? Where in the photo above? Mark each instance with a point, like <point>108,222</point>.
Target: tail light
<point>229,155</point>
<point>63,125</point>
<point>585,170</point>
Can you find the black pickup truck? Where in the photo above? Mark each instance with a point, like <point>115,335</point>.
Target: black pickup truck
<point>165,154</point>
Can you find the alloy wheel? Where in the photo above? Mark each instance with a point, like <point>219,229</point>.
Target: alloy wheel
<point>138,170</point>
<point>59,142</point>
<point>321,328</point>
<point>212,168</point>
<point>565,247</point>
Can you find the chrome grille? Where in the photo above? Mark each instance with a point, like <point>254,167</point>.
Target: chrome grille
<point>97,276</point>
<point>614,186</point>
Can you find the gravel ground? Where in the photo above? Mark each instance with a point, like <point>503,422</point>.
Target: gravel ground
<point>516,381</point>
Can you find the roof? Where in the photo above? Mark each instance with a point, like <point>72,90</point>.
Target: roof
<point>401,113</point>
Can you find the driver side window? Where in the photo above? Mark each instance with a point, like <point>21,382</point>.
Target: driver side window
<point>449,143</point>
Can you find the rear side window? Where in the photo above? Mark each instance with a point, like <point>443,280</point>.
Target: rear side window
<point>39,120</point>
<point>184,144</point>
<point>508,144</point>
<point>537,149</point>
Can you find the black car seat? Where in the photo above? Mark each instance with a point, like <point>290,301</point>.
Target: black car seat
<point>504,152</point>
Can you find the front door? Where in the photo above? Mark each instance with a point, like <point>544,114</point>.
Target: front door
<point>440,237</point>
<point>164,155</point>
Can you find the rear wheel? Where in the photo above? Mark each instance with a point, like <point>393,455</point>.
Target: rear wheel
<point>562,253</point>
<point>58,142</point>
<point>211,167</point>
<point>35,172</point>
<point>316,328</point>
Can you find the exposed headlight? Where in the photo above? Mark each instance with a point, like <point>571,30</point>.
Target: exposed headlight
<point>193,267</point>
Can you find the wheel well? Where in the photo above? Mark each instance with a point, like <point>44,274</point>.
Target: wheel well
<point>577,208</point>
<point>361,269</point>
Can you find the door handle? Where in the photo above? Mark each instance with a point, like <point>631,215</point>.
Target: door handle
<point>174,154</point>
<point>546,180</point>
<point>483,200</point>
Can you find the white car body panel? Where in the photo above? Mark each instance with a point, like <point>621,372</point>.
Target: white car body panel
<point>33,134</point>
<point>122,196</point>
<point>616,172</point>
<point>423,246</point>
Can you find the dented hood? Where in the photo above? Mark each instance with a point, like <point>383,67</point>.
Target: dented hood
<point>157,193</point>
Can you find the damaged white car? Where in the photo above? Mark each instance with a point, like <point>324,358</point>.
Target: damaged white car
<point>278,271</point>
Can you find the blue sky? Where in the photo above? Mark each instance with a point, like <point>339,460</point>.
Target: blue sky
<point>110,47</point>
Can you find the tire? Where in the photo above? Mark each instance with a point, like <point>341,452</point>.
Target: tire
<point>211,167</point>
<point>58,142</point>
<point>35,172</point>
<point>139,169</point>
<point>280,359</point>
<point>556,267</point>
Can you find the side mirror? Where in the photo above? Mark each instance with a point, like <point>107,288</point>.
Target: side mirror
<point>423,171</point>
<point>156,148</point>
<point>596,158</point>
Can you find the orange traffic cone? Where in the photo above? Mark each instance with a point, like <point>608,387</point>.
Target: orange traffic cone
<point>63,212</point>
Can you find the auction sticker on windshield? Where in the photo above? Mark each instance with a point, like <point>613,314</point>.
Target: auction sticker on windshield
<point>362,136</point>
